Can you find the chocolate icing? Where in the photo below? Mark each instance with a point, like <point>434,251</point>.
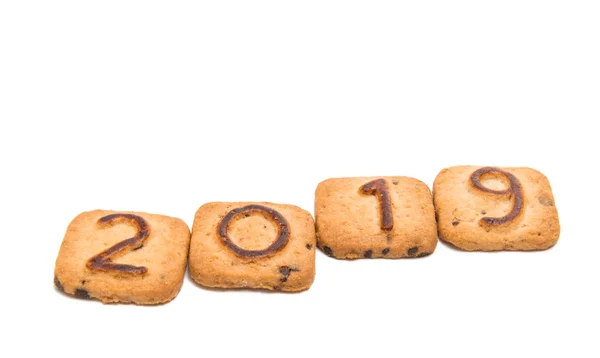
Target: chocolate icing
<point>102,261</point>
<point>379,188</point>
<point>282,234</point>
<point>514,190</point>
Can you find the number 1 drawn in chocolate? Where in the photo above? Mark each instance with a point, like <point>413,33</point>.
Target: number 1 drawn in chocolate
<point>378,187</point>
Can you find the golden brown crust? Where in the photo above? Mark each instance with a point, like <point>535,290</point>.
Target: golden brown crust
<point>350,224</point>
<point>213,263</point>
<point>461,207</point>
<point>163,255</point>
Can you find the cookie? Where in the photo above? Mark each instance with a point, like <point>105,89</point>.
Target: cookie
<point>123,257</point>
<point>491,209</point>
<point>253,245</point>
<point>375,217</point>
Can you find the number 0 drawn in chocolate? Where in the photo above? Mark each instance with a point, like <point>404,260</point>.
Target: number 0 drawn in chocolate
<point>103,261</point>
<point>513,191</point>
<point>283,232</point>
<point>379,188</point>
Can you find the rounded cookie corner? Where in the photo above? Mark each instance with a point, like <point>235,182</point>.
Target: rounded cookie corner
<point>207,206</point>
<point>302,211</point>
<point>181,224</point>
<point>440,177</point>
<point>326,182</point>
<point>535,172</point>
<point>420,183</point>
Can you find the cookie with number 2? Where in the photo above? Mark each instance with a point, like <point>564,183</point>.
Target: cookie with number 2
<point>492,209</point>
<point>123,257</point>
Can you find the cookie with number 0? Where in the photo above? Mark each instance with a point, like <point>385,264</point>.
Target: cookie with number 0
<point>375,217</point>
<point>492,209</point>
<point>123,257</point>
<point>253,245</point>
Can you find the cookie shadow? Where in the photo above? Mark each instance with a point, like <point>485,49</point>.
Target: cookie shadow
<point>453,247</point>
<point>239,289</point>
<point>72,297</point>
<point>450,245</point>
<point>58,288</point>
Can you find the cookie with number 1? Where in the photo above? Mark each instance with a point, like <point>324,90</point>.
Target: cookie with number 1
<point>375,217</point>
<point>123,257</point>
<point>491,209</point>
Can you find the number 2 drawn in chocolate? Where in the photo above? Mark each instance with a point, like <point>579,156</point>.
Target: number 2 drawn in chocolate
<point>103,260</point>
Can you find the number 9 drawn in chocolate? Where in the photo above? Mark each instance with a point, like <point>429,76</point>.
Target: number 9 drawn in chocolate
<point>514,193</point>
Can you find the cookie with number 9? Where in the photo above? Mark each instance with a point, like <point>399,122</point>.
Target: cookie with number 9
<point>253,245</point>
<point>123,257</point>
<point>375,217</point>
<point>492,209</point>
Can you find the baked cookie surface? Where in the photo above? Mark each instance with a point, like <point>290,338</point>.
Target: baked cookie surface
<point>253,245</point>
<point>375,217</point>
<point>492,209</point>
<point>123,257</point>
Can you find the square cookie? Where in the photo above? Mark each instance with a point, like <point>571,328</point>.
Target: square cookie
<point>123,257</point>
<point>253,245</point>
<point>491,209</point>
<point>375,217</point>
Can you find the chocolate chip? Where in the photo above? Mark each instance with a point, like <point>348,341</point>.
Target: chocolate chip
<point>456,222</point>
<point>413,250</point>
<point>83,282</point>
<point>327,250</point>
<point>385,251</point>
<point>423,254</point>
<point>308,246</point>
<point>545,201</point>
<point>58,284</point>
<point>368,254</point>
<point>395,182</point>
<point>81,293</point>
<point>483,212</point>
<point>285,272</point>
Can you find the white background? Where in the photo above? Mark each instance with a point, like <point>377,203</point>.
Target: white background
<point>163,106</point>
